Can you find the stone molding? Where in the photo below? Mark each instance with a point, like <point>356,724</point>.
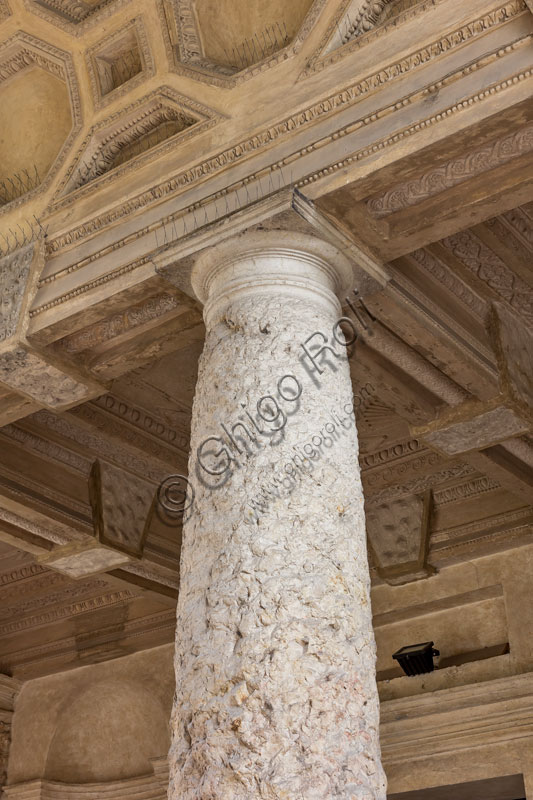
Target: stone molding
<point>256,263</point>
<point>453,173</point>
<point>456,719</point>
<point>149,787</point>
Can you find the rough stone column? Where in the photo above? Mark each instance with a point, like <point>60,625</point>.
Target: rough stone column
<point>275,655</point>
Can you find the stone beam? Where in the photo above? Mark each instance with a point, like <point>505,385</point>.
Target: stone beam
<point>29,377</point>
<point>478,425</point>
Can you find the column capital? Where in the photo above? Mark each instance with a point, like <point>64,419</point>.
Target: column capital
<point>263,262</point>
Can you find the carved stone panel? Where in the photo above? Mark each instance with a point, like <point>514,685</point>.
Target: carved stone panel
<point>121,503</point>
<point>398,534</point>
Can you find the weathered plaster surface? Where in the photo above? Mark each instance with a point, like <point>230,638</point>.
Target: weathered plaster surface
<point>275,653</point>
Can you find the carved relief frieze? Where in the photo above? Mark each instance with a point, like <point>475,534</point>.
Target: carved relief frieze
<point>47,448</point>
<point>5,741</point>
<point>453,173</point>
<point>100,445</point>
<point>420,483</point>
<point>22,52</point>
<point>464,491</point>
<point>118,324</point>
<point>24,370</point>
<point>521,225</point>
<point>5,10</point>
<point>142,419</point>
<point>14,285</point>
<point>29,605</point>
<point>65,611</point>
<point>491,272</point>
<point>445,276</point>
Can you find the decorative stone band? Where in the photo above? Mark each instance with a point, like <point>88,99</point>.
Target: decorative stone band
<point>260,262</point>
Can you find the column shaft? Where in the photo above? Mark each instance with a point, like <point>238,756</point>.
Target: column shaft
<point>275,653</point>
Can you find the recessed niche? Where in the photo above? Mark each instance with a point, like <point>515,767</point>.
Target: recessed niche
<point>121,60</point>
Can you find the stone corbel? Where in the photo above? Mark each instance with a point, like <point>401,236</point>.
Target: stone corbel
<point>122,506</point>
<point>36,377</point>
<point>476,425</point>
<point>398,537</point>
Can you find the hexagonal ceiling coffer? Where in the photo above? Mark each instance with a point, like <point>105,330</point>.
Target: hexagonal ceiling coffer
<point>157,122</point>
<point>224,42</point>
<point>38,91</point>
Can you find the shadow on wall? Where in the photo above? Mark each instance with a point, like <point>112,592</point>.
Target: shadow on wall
<point>108,732</point>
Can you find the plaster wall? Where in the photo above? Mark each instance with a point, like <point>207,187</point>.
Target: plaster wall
<point>98,723</point>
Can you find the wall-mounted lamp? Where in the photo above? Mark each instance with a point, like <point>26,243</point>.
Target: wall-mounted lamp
<point>416,659</point>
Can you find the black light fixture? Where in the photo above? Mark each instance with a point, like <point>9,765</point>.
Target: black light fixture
<point>416,659</point>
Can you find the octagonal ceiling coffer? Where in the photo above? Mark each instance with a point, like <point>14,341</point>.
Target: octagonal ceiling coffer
<point>223,42</point>
<point>38,91</point>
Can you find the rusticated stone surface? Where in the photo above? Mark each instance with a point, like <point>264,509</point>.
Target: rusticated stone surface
<point>275,653</point>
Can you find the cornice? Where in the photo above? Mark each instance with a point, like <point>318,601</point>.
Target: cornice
<point>69,610</point>
<point>454,719</point>
<point>327,106</point>
<point>91,228</point>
